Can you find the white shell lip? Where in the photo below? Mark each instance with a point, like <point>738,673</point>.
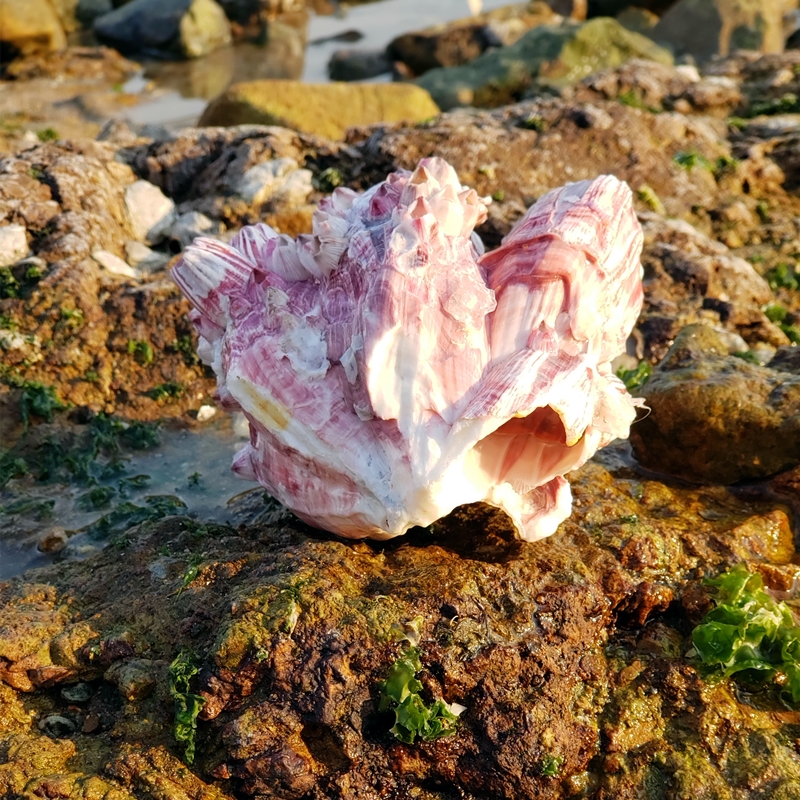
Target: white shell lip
<point>391,372</point>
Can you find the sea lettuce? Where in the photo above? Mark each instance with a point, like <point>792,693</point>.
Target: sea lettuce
<point>749,636</point>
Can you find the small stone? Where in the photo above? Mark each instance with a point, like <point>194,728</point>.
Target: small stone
<point>189,226</point>
<point>133,678</point>
<point>53,540</point>
<point>13,244</point>
<point>142,258</point>
<point>114,264</point>
<point>77,693</point>
<point>205,413</point>
<point>57,726</point>
<point>151,213</point>
<point>91,723</point>
<point>358,65</point>
<point>259,183</point>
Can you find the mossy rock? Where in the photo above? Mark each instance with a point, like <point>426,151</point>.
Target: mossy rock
<point>325,109</point>
<point>557,55</point>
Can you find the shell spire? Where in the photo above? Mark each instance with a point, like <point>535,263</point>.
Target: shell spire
<point>391,372</point>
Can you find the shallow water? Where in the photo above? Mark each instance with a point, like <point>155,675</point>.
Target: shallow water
<point>293,50</point>
<point>189,466</point>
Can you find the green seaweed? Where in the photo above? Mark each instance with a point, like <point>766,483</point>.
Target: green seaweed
<point>413,718</point>
<point>187,704</point>
<point>550,765</point>
<point>39,400</point>
<point>635,378</point>
<point>171,390</point>
<point>749,636</point>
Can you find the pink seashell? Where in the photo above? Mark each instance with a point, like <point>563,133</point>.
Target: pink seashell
<point>390,372</point>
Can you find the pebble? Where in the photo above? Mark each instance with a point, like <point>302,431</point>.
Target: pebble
<point>205,413</point>
<point>189,226</point>
<point>266,181</point>
<point>57,726</point>
<point>150,211</point>
<point>53,540</point>
<point>77,693</point>
<point>114,264</point>
<point>13,244</point>
<point>142,258</point>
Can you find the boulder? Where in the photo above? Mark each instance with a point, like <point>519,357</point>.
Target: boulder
<point>704,28</point>
<point>29,27</point>
<point>190,28</point>
<point>716,418</point>
<point>324,109</point>
<point>554,55</point>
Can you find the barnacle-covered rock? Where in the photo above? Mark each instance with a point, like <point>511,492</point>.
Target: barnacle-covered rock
<point>391,372</point>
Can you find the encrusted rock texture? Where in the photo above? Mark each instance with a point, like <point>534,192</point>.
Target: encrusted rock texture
<point>569,654</point>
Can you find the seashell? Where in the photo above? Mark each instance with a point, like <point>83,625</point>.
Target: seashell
<point>390,372</point>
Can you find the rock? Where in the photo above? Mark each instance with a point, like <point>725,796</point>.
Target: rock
<point>53,540</point>
<point>143,259</point>
<point>151,213</point>
<point>114,264</point>
<point>704,28</point>
<point>81,63</point>
<point>687,275</point>
<point>278,181</point>
<point>324,109</point>
<point>29,27</point>
<point>190,28</point>
<point>134,678</point>
<point>358,65</point>
<point>457,43</point>
<point>549,55</point>
<point>786,359</point>
<point>188,227</point>
<point>715,418</point>
<point>13,244</point>
<point>638,20</point>
<point>242,11</point>
<point>87,11</point>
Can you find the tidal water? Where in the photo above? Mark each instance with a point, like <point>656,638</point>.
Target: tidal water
<point>188,473</point>
<point>296,48</point>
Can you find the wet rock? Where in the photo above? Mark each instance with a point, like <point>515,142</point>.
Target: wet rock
<point>703,28</point>
<point>136,678</point>
<point>29,27</point>
<point>786,359</point>
<point>325,109</point>
<point>547,55</point>
<point>190,28</point>
<point>151,214</point>
<point>53,540</point>
<point>358,65</point>
<point>716,418</point>
<point>77,693</point>
<point>13,244</point>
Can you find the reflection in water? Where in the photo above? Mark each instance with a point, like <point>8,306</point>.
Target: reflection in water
<point>280,56</point>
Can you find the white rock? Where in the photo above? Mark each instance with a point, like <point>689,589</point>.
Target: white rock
<point>189,226</point>
<point>13,244</point>
<point>295,188</point>
<point>204,413</point>
<point>115,264</point>
<point>150,211</point>
<point>260,183</point>
<point>144,259</point>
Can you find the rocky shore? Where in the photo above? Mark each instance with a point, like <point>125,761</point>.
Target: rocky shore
<point>172,655</point>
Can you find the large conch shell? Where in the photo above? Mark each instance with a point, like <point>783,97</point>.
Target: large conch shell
<point>390,372</point>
